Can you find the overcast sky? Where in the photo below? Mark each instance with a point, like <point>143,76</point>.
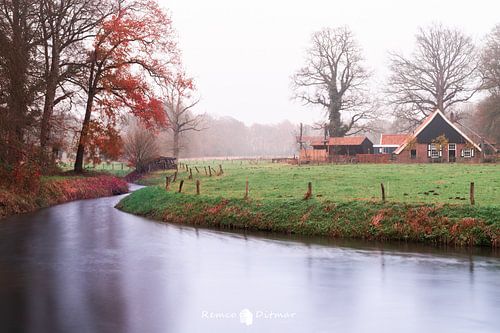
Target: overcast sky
<point>242,53</point>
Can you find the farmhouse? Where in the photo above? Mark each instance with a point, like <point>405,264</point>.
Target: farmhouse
<point>437,139</point>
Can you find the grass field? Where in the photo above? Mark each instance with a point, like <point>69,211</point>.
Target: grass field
<point>413,183</point>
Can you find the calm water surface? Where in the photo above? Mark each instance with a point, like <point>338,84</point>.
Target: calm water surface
<point>87,267</point>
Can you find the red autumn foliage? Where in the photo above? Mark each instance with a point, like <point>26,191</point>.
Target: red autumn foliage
<point>132,59</point>
<point>134,51</point>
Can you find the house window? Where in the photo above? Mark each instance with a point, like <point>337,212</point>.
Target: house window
<point>413,154</point>
<point>433,152</point>
<point>468,152</point>
<point>452,146</point>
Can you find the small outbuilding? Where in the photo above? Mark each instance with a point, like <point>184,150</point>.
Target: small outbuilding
<point>347,145</point>
<point>389,143</point>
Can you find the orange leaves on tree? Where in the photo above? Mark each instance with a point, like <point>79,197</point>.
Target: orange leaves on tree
<point>134,51</point>
<point>131,60</point>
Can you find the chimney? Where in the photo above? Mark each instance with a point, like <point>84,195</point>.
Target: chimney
<point>452,117</point>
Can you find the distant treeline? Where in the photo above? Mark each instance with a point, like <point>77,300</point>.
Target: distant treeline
<point>226,136</point>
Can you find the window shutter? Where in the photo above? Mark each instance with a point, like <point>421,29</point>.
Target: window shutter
<point>428,150</point>
<point>472,152</point>
<point>462,153</point>
<point>440,152</point>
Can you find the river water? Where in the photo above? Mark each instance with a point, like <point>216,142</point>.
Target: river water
<point>87,267</point>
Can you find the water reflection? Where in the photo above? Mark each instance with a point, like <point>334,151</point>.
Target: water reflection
<point>86,267</point>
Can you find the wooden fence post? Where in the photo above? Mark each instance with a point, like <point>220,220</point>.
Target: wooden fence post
<point>471,194</point>
<point>209,171</point>
<point>197,187</point>
<point>190,174</point>
<point>220,168</point>
<point>180,185</point>
<point>383,191</point>
<point>175,177</point>
<point>309,191</point>
<point>197,171</point>
<point>246,188</point>
<point>167,183</point>
<point>206,173</point>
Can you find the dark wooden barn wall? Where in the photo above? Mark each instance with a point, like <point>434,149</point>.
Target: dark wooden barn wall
<point>437,127</point>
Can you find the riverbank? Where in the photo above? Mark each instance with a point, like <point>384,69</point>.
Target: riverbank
<point>449,224</point>
<point>59,189</point>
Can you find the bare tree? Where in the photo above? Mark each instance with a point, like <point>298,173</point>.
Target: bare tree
<point>65,26</point>
<point>335,79</point>
<point>441,72</point>
<point>487,115</point>
<point>178,108</point>
<point>139,145</point>
<point>490,62</point>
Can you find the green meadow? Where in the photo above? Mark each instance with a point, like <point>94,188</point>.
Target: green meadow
<point>408,183</point>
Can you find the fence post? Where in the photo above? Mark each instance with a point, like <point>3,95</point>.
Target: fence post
<point>197,187</point>
<point>180,186</point>
<point>209,171</point>
<point>383,191</point>
<point>471,194</point>
<point>175,177</point>
<point>197,171</point>
<point>220,168</point>
<point>206,173</point>
<point>167,183</point>
<point>190,174</point>
<point>309,191</point>
<point>246,188</point>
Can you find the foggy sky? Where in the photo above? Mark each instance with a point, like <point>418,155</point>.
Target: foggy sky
<point>242,53</point>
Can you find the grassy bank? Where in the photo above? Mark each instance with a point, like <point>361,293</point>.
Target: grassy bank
<point>428,223</point>
<point>425,202</point>
<point>58,189</point>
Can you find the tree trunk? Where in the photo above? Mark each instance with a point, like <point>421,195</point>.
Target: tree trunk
<point>80,153</point>
<point>176,148</point>
<point>17,62</point>
<point>48,109</point>
<point>335,126</point>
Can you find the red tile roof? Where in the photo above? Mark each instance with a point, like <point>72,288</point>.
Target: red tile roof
<point>340,141</point>
<point>393,139</point>
<point>347,141</point>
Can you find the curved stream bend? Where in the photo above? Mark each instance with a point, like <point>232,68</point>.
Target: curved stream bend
<point>87,267</point>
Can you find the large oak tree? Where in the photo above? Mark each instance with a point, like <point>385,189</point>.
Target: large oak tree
<point>441,72</point>
<point>335,79</point>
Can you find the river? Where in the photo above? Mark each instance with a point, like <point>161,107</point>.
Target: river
<point>84,266</point>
